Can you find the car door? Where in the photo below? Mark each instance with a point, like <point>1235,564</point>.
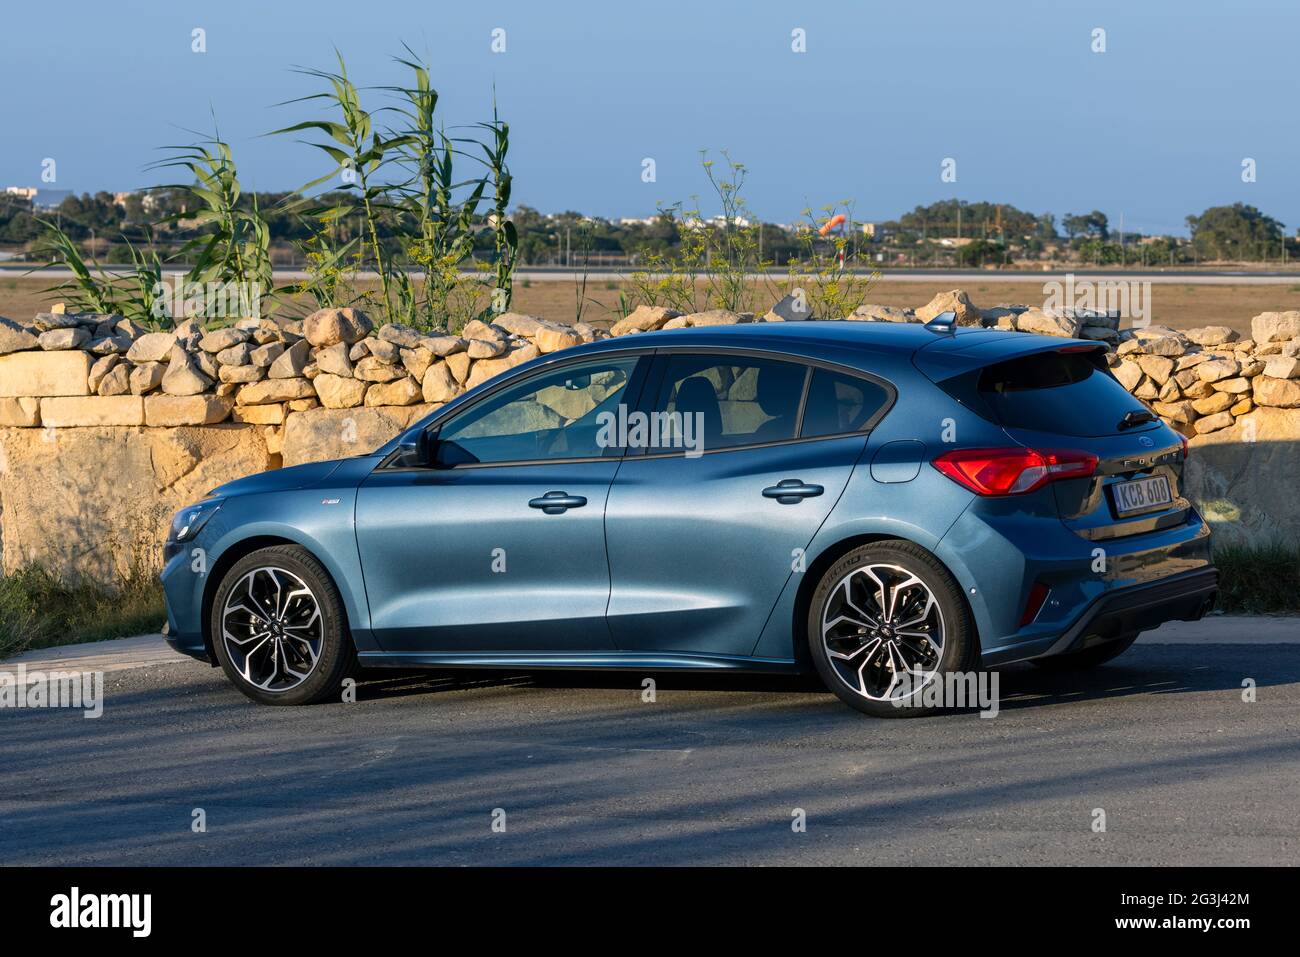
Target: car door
<point>500,546</point>
<point>702,539</point>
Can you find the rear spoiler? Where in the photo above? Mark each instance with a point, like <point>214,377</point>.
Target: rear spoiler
<point>965,350</point>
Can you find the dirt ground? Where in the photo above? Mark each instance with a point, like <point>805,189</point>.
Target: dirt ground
<point>1181,305</point>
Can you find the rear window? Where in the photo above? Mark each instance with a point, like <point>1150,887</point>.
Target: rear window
<point>840,403</point>
<point>1065,392</point>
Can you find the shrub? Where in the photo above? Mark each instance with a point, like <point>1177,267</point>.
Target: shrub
<point>39,610</point>
<point>1255,579</point>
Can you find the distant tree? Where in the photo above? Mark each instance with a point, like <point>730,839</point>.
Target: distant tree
<point>1092,225</point>
<point>1234,232</point>
<point>1163,249</point>
<point>981,252</point>
<point>977,220</point>
<point>1096,251</point>
<point>81,214</point>
<point>17,220</point>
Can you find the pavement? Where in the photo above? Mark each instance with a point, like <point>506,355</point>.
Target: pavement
<point>123,654</point>
<point>1183,764</point>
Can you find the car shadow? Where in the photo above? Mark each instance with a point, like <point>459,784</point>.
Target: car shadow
<point>1143,670</point>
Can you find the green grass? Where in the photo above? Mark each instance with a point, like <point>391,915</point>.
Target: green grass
<point>38,610</point>
<point>1258,579</point>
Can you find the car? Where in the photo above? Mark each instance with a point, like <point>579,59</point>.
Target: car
<point>881,503</point>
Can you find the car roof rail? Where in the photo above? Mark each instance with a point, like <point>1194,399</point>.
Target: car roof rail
<point>945,324</point>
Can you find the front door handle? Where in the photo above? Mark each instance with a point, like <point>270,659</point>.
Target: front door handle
<point>791,491</point>
<point>556,503</point>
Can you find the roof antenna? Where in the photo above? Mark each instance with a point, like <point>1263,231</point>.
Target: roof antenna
<point>945,324</point>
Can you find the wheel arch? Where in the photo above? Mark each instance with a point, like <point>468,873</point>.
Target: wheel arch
<point>827,557</point>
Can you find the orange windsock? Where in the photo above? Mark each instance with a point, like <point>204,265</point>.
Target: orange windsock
<point>834,221</point>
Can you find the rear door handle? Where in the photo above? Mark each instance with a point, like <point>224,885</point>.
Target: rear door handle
<point>792,491</point>
<point>556,503</point>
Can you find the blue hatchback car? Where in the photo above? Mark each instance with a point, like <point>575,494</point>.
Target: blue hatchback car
<point>880,502</point>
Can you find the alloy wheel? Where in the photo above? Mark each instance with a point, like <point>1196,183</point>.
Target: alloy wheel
<point>272,629</point>
<point>883,632</point>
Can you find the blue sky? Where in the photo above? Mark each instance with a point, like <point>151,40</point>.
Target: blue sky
<point>1154,128</point>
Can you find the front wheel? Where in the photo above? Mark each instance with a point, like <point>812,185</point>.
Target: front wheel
<point>279,629</point>
<point>885,622</point>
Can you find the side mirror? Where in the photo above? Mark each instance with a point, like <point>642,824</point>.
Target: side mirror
<point>415,450</point>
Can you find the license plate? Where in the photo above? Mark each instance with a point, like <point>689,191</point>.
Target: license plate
<point>1142,495</point>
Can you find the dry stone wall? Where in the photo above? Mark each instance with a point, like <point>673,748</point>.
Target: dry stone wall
<point>107,427</point>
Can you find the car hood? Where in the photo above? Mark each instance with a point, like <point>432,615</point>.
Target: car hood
<point>278,480</point>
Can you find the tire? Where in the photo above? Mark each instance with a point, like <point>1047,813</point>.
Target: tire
<point>840,630</point>
<point>1089,657</point>
<point>279,629</point>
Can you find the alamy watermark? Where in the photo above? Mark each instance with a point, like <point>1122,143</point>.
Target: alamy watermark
<point>623,429</point>
<point>82,690</point>
<point>1130,298</point>
<point>949,690</point>
<point>76,909</point>
<point>178,300</point>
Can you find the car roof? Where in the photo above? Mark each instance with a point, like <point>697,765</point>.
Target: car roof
<point>876,337</point>
<point>831,337</point>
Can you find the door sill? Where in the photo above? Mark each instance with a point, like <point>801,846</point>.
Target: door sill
<point>581,661</point>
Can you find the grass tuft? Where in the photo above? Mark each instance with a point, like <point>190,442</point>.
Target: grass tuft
<point>39,610</point>
<point>1258,579</point>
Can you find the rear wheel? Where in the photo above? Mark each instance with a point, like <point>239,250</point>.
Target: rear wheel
<point>885,622</point>
<point>1089,657</point>
<point>279,630</point>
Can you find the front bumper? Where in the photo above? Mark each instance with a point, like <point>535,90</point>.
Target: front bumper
<point>1185,597</point>
<point>183,595</point>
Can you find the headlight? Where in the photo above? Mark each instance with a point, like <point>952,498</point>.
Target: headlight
<point>190,520</point>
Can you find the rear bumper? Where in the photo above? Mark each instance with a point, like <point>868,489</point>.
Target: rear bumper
<point>1185,597</point>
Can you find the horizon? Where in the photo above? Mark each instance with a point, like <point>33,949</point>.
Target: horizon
<point>587,106</point>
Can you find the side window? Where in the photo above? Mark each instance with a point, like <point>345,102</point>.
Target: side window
<point>551,415</point>
<point>727,401</point>
<point>840,403</point>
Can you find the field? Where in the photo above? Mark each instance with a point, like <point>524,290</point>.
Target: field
<point>1181,305</point>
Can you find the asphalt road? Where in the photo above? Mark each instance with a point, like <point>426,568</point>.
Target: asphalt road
<point>710,773</point>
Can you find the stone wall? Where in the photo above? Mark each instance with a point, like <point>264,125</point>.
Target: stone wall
<point>106,427</point>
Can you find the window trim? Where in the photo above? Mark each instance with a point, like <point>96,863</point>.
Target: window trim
<point>647,377</point>
<point>650,396</point>
<point>644,359</point>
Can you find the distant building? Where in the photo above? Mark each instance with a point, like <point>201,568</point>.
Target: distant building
<point>39,197</point>
<point>148,198</point>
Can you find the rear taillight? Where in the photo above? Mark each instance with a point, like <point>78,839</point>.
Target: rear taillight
<point>1187,449</point>
<point>1013,471</point>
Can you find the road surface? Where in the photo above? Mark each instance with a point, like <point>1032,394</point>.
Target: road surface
<point>581,770</point>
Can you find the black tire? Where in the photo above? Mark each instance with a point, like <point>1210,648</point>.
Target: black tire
<point>1089,657</point>
<point>960,643</point>
<point>336,655</point>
